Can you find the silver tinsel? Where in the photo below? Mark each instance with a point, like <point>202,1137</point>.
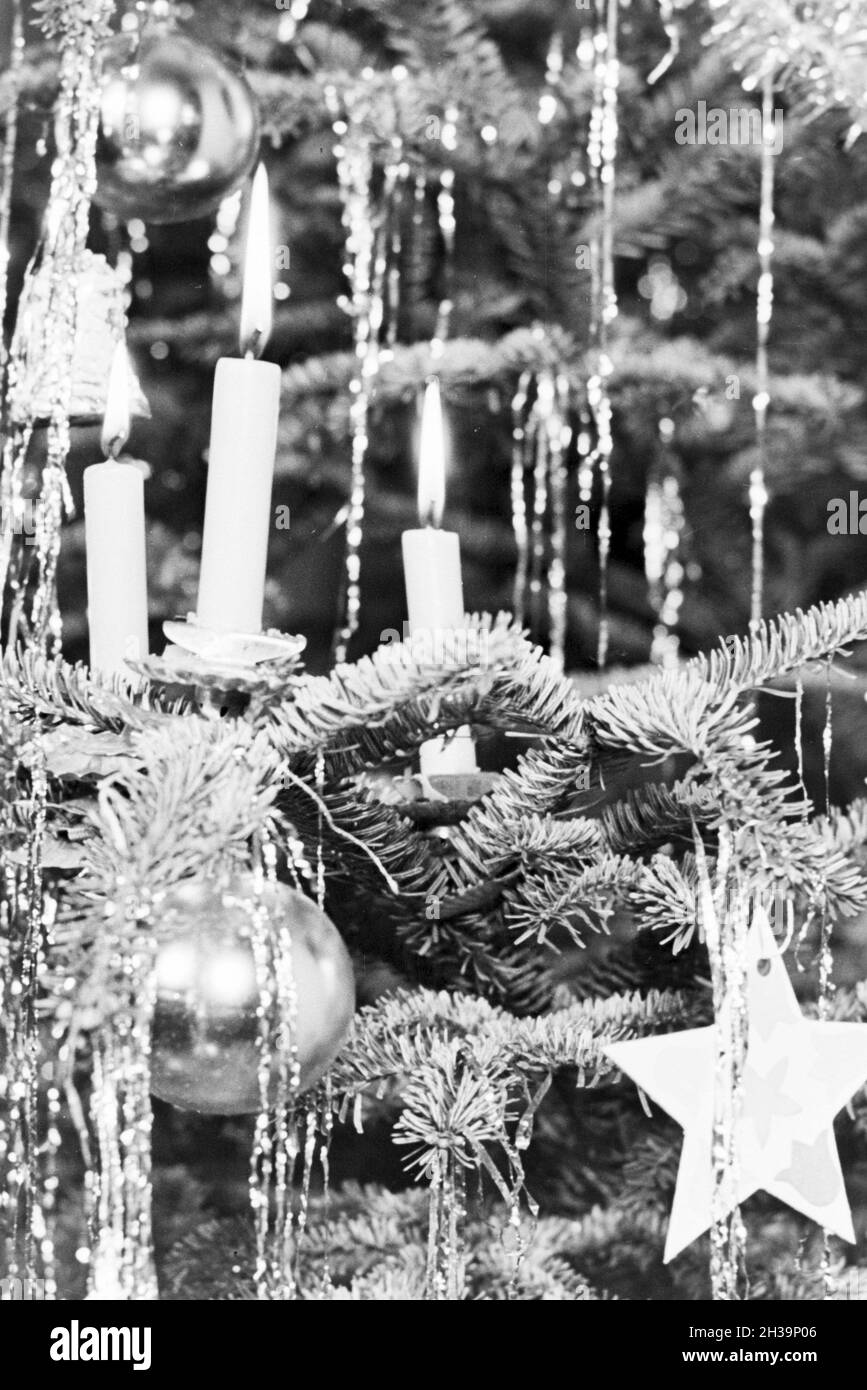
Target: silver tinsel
<point>80,31</point>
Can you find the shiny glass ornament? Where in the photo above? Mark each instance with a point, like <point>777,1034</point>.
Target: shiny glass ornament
<point>179,128</point>
<point>207,1023</point>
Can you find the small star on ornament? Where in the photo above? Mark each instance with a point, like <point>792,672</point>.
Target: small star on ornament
<point>798,1075</point>
<point>764,1098</point>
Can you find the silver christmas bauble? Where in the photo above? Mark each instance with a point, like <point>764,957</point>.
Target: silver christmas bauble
<point>204,1051</point>
<point>179,129</point>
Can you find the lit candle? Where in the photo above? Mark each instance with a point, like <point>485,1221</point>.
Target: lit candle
<point>114,530</point>
<point>244,415</point>
<point>434,585</point>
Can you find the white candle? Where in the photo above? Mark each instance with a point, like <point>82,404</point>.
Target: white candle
<point>244,417</point>
<point>114,530</point>
<point>434,584</point>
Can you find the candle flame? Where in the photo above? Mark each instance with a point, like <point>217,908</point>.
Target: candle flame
<point>432,458</point>
<point>258,289</point>
<point>115,422</point>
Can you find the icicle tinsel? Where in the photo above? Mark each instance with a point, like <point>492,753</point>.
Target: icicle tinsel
<point>81,31</point>
<point>541,434</point>
<point>764,310</point>
<point>601,155</point>
<point>723,915</point>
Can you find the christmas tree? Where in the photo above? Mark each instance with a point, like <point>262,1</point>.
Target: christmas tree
<point>298,1002</point>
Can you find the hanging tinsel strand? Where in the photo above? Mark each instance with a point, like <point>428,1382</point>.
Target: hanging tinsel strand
<point>275,1144</point>
<point>81,31</point>
<point>602,151</point>
<point>7,169</point>
<point>29,971</point>
<point>764,310</point>
<point>447,228</point>
<point>290,1132</point>
<point>26,1154</point>
<point>559,435</point>
<point>672,33</point>
<point>723,911</point>
<point>540,438</point>
<point>395,251</point>
<point>826,952</point>
<point>121,1261</point>
<point>369,223</point>
<point>520,526</point>
<point>663,525</point>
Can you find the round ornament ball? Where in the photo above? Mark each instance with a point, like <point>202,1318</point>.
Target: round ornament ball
<point>204,1049</point>
<point>179,128</point>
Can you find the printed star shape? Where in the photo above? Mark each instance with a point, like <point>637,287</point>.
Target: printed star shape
<point>798,1075</point>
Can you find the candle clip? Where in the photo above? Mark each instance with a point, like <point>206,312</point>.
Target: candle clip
<point>232,649</point>
<point>442,799</point>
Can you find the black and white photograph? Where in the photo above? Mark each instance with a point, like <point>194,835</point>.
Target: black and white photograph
<point>433,670</point>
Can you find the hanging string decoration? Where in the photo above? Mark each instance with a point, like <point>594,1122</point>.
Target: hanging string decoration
<point>81,31</point>
<point>368,217</point>
<point>663,567</point>
<point>601,156</point>
<point>541,434</point>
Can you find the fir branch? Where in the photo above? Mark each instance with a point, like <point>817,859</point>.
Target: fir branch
<point>384,836</point>
<point>844,830</point>
<point>368,712</point>
<point>544,783</point>
<point>391,1039</point>
<point>654,813</point>
<point>664,898</point>
<point>200,793</point>
<point>465,362</point>
<point>677,712</point>
<point>374,1243</point>
<point>53,692</point>
<point>823,56</point>
<point>783,644</point>
<point>557,898</point>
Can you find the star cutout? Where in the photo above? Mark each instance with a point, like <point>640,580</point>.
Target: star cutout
<point>798,1075</point>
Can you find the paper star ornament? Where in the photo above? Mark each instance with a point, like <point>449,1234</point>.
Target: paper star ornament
<point>798,1075</point>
